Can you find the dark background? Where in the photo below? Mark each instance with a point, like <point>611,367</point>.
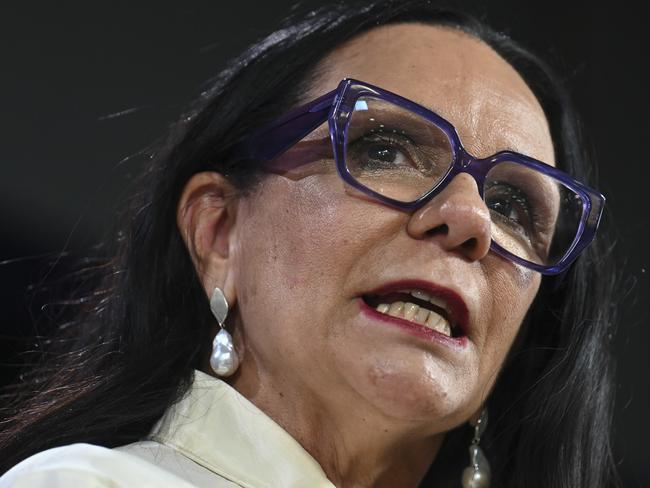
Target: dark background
<point>85,86</point>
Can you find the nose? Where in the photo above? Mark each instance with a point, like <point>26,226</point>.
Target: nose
<point>457,218</point>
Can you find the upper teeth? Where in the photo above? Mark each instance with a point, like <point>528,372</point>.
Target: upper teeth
<point>428,298</point>
<point>415,313</point>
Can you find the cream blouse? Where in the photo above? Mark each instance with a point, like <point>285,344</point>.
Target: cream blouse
<point>214,437</point>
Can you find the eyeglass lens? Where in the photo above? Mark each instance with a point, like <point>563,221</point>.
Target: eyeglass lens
<point>401,155</point>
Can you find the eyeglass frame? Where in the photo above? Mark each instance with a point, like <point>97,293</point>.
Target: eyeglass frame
<point>337,106</point>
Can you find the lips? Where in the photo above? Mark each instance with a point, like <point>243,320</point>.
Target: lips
<point>440,300</point>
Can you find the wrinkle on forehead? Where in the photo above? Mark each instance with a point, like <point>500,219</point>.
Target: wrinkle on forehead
<point>498,120</point>
<point>452,73</point>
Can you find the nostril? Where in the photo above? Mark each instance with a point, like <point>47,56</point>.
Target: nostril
<point>470,244</point>
<point>442,229</point>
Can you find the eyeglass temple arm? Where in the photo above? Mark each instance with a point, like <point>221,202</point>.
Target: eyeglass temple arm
<point>279,135</point>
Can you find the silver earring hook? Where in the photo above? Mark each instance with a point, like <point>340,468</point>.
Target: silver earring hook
<point>219,306</point>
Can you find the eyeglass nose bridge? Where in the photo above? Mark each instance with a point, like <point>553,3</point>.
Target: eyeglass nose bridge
<point>465,159</point>
<point>464,162</point>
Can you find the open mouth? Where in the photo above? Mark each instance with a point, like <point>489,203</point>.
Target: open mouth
<point>416,306</point>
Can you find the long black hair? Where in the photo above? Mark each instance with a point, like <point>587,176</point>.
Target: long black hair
<point>142,324</point>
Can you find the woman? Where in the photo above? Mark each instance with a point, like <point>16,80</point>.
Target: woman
<point>348,250</point>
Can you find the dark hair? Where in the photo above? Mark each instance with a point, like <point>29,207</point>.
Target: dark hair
<point>143,324</point>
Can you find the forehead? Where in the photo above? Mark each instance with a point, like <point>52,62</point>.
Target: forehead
<point>456,75</point>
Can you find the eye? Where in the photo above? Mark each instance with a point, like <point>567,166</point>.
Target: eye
<point>385,151</point>
<point>510,206</point>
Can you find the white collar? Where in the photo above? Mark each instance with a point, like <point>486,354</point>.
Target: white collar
<point>217,427</point>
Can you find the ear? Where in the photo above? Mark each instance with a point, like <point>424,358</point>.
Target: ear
<point>205,216</point>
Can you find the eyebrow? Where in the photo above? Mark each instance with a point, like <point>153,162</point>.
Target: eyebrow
<point>519,141</point>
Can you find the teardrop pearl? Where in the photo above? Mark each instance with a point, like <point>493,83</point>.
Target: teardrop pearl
<point>478,474</point>
<point>224,359</point>
<point>475,478</point>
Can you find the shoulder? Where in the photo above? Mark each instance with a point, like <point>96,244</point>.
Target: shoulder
<point>87,465</point>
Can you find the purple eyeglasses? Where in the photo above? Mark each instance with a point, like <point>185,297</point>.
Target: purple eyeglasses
<point>402,154</point>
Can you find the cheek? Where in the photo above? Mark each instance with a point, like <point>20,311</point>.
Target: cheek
<point>302,233</point>
<point>296,246</point>
<point>511,291</point>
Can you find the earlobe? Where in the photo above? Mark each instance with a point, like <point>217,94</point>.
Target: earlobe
<point>205,217</point>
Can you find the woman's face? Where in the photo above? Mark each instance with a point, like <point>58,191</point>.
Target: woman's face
<point>306,250</point>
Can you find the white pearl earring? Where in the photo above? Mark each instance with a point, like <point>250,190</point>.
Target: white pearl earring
<point>477,474</point>
<point>224,359</point>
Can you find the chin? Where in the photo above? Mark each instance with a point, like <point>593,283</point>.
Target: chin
<point>424,395</point>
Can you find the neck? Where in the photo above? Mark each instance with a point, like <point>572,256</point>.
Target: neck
<point>359,453</point>
<point>354,444</point>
